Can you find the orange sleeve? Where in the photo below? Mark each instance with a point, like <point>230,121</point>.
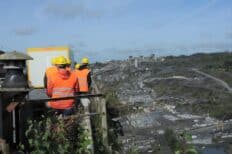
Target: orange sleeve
<point>49,88</point>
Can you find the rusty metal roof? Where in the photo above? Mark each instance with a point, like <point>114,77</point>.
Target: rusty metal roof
<point>15,56</point>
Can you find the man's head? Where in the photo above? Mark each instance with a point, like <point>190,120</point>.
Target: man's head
<point>77,66</point>
<point>84,61</point>
<point>61,62</point>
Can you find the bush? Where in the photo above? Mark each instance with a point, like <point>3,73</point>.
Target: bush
<point>171,139</point>
<point>54,135</point>
<point>178,142</point>
<point>133,150</point>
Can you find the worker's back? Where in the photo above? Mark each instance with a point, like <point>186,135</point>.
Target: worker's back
<point>63,84</point>
<point>83,76</point>
<point>50,71</point>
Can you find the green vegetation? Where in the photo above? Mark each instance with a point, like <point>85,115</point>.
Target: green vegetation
<point>193,93</point>
<point>216,102</point>
<point>222,110</point>
<point>207,95</point>
<point>113,108</point>
<point>171,139</point>
<point>216,139</point>
<point>57,135</point>
<point>133,150</point>
<point>178,143</point>
<point>221,74</point>
<point>201,60</point>
<point>99,147</point>
<point>112,100</point>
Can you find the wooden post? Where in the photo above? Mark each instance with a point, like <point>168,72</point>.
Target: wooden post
<point>1,116</point>
<point>99,106</point>
<point>86,123</point>
<point>4,148</point>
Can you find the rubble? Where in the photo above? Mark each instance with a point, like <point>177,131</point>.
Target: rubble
<point>165,93</point>
<point>141,120</point>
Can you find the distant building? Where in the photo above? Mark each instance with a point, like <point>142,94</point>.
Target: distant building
<point>152,57</point>
<point>162,59</point>
<point>136,62</point>
<point>130,57</point>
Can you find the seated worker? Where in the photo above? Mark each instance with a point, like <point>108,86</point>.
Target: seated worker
<point>84,76</point>
<point>63,84</point>
<point>50,71</point>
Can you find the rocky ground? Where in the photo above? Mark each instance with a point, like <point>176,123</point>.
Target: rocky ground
<point>168,92</point>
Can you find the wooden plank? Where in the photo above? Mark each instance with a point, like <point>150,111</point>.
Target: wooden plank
<point>1,116</point>
<point>4,148</point>
<point>86,123</point>
<point>104,122</point>
<point>100,106</point>
<point>15,89</point>
<point>65,98</point>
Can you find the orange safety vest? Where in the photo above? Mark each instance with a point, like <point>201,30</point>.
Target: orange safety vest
<point>59,87</point>
<point>50,71</point>
<point>82,79</point>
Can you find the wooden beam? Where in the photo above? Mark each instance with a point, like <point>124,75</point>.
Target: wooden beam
<point>4,148</point>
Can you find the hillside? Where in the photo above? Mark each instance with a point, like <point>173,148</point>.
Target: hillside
<point>177,89</point>
<point>162,79</point>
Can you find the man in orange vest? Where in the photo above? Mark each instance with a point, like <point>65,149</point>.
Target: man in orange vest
<point>83,74</point>
<point>63,84</point>
<point>50,71</point>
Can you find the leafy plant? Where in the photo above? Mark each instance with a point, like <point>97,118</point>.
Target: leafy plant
<point>178,142</point>
<point>133,150</point>
<point>56,135</point>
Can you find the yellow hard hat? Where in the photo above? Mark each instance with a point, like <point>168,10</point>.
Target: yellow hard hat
<point>61,60</point>
<point>77,66</point>
<point>53,61</point>
<point>69,61</point>
<point>85,60</point>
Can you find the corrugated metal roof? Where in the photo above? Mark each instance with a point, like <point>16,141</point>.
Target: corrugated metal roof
<point>15,56</point>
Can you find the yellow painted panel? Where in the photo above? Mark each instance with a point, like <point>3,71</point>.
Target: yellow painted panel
<point>36,67</point>
<point>47,49</point>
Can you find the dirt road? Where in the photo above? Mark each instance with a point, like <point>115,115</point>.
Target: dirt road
<point>221,82</point>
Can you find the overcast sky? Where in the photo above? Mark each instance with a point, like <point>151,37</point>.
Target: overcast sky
<point>114,29</point>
